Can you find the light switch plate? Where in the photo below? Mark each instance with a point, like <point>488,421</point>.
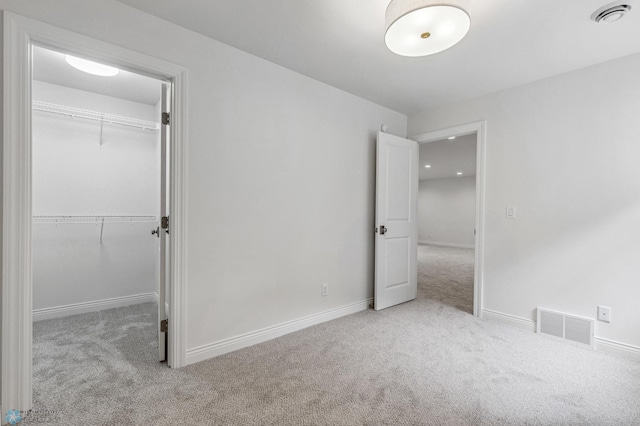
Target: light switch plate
<point>511,212</point>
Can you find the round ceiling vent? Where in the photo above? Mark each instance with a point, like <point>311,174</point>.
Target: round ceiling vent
<point>610,13</point>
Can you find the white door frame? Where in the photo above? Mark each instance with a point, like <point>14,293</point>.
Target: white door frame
<point>480,128</point>
<point>20,34</point>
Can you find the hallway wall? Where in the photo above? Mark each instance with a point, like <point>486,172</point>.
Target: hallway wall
<point>447,211</point>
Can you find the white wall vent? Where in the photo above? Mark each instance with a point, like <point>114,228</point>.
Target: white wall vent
<point>566,326</point>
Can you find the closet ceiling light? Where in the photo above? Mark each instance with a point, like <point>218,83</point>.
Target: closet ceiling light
<point>92,67</point>
<point>428,166</point>
<point>425,27</point>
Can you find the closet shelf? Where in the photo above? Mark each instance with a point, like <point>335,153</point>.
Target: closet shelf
<point>94,115</point>
<point>98,220</point>
<point>94,219</point>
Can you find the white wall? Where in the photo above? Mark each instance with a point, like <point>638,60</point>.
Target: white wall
<point>280,175</point>
<point>74,175</point>
<point>565,152</point>
<point>447,211</point>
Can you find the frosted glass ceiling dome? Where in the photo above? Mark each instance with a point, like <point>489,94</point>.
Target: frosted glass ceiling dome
<point>425,27</point>
<point>91,67</point>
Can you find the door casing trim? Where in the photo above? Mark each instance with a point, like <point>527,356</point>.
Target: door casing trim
<point>480,129</point>
<point>20,34</point>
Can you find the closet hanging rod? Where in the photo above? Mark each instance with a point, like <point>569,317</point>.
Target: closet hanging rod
<point>94,219</point>
<point>94,115</point>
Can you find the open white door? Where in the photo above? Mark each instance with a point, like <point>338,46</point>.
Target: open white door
<point>396,276</point>
<point>163,232</point>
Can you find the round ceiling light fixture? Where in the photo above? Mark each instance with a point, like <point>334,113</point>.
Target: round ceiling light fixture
<point>610,13</point>
<point>91,67</point>
<point>424,27</point>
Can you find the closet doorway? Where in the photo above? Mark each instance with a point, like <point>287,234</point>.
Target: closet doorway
<point>99,202</point>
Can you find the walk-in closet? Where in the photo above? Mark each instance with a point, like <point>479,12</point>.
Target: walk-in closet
<point>96,201</point>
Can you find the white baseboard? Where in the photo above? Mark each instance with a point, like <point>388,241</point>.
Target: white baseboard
<point>523,323</point>
<point>603,345</point>
<point>613,347</point>
<point>211,350</point>
<point>445,244</point>
<point>96,305</point>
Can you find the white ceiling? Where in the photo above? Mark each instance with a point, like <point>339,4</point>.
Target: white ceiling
<point>448,157</point>
<point>51,67</point>
<point>341,42</point>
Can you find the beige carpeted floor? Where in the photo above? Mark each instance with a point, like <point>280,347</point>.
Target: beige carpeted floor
<point>427,362</point>
<point>445,274</point>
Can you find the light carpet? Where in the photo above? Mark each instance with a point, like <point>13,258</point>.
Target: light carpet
<point>445,274</point>
<point>421,363</point>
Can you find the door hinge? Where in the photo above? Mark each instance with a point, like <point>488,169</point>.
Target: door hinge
<point>164,326</point>
<point>165,222</point>
<point>166,118</point>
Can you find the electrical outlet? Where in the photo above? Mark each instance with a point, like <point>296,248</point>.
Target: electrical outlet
<point>325,289</point>
<point>604,313</point>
